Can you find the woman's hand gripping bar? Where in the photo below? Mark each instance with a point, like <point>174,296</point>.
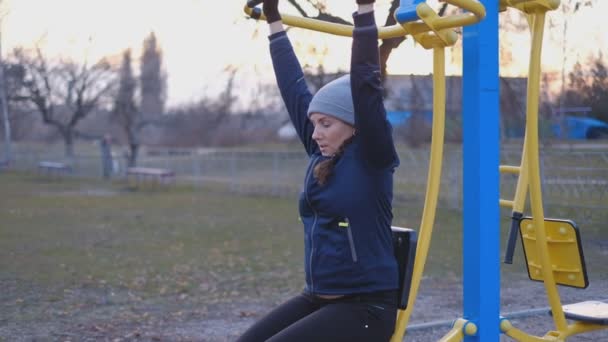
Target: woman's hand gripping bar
<point>411,27</point>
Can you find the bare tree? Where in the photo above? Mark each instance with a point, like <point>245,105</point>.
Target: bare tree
<point>152,90</point>
<point>63,92</point>
<point>226,99</point>
<point>152,80</point>
<point>19,115</point>
<point>132,117</point>
<point>569,8</point>
<point>575,95</point>
<point>321,7</point>
<point>598,96</point>
<point>588,87</point>
<point>4,103</point>
<point>5,112</point>
<point>386,47</point>
<point>201,123</point>
<point>316,74</point>
<point>125,111</point>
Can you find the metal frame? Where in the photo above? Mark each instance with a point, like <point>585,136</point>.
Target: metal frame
<point>529,181</point>
<point>481,240</point>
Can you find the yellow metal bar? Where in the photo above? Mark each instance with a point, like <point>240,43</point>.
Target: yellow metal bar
<point>548,4</point>
<point>460,329</point>
<point>454,335</point>
<point>512,3</point>
<point>518,335</point>
<point>432,189</point>
<point>557,336</point>
<point>531,6</point>
<point>437,37</point>
<point>318,25</point>
<point>529,176</point>
<point>582,327</point>
<point>532,152</point>
<point>506,203</point>
<point>476,9</point>
<point>509,169</point>
<point>523,183</point>
<point>521,190</point>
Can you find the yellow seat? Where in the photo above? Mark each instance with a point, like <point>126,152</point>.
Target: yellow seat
<point>565,252</point>
<point>592,311</point>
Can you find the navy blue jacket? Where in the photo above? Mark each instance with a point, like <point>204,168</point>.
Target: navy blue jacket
<point>348,246</point>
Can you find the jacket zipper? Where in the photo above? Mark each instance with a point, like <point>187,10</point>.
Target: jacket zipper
<point>314,223</point>
<point>351,240</point>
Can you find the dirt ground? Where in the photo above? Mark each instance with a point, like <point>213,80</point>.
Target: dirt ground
<point>87,313</point>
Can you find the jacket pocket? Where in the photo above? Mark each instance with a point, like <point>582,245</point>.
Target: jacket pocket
<point>351,241</point>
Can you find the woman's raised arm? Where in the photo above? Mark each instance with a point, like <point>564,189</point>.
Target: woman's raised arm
<point>371,124</point>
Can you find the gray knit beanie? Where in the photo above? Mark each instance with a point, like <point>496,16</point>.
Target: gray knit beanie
<point>335,99</point>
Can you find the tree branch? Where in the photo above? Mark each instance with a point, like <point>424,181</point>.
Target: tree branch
<point>321,16</point>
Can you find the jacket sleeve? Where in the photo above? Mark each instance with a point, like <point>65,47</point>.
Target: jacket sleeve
<point>371,124</point>
<point>293,87</point>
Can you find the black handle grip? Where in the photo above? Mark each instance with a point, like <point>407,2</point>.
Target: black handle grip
<point>256,12</point>
<point>253,3</point>
<point>512,237</point>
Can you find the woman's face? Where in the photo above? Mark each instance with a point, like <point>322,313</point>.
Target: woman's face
<point>330,133</point>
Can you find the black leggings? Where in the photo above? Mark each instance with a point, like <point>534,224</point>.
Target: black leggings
<point>362,317</point>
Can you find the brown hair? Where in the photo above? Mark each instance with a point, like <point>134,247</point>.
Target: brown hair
<point>324,170</point>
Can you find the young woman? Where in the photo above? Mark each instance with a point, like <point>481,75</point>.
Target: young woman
<point>345,206</point>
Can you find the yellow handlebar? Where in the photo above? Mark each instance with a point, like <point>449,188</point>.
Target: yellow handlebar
<point>531,6</point>
<point>476,9</point>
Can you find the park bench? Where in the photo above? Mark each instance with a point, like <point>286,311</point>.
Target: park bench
<point>50,168</point>
<point>147,174</point>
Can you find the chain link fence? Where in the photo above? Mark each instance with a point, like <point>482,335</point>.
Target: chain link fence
<point>574,179</point>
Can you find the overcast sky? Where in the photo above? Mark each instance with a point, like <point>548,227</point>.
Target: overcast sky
<point>201,37</point>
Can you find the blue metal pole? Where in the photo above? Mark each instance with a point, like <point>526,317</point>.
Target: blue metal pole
<point>481,244</point>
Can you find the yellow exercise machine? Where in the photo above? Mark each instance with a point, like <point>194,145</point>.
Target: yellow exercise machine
<point>549,244</point>
<point>426,27</point>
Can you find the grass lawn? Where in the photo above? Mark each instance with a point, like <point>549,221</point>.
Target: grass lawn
<point>178,245</point>
<point>175,239</point>
<point>62,233</point>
